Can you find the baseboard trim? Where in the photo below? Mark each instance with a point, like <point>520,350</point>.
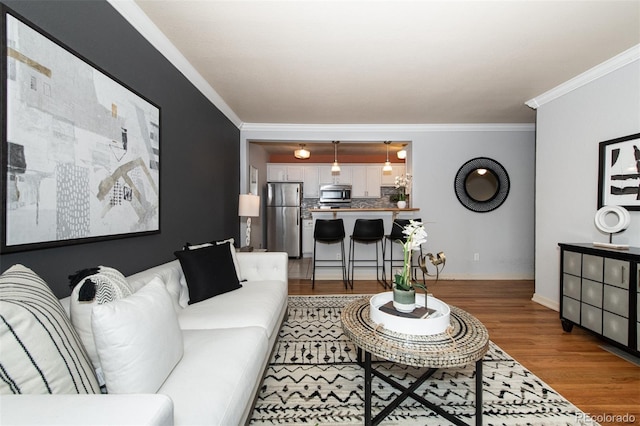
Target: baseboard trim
<point>544,301</point>
<point>365,273</point>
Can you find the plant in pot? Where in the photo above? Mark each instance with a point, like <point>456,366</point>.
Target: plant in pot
<point>402,184</point>
<point>404,290</point>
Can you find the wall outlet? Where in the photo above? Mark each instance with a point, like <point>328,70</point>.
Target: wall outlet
<point>338,256</point>
<point>476,257</point>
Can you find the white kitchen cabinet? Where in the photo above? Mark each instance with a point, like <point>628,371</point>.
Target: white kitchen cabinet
<point>284,173</point>
<point>389,178</point>
<point>365,181</point>
<point>327,177</point>
<point>311,187</point>
<point>307,237</point>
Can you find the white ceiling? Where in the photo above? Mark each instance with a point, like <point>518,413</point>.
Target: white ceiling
<point>392,62</point>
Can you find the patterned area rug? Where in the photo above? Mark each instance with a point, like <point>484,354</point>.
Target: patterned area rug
<point>313,378</point>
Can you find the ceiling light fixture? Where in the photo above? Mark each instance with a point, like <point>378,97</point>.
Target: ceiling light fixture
<point>387,164</point>
<point>335,167</point>
<point>402,154</point>
<point>302,153</point>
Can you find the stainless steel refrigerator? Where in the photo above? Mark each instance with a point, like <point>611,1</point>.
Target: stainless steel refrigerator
<point>284,217</point>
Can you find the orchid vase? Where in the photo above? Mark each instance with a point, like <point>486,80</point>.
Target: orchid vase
<point>404,290</point>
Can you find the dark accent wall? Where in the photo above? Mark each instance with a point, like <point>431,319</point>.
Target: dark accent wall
<point>199,146</point>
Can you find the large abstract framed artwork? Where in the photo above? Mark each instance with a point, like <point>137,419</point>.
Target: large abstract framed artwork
<point>619,172</point>
<point>81,151</point>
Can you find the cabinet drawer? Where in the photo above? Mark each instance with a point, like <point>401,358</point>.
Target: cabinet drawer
<point>571,309</point>
<point>592,267</point>
<point>571,286</point>
<point>591,318</point>
<point>572,263</point>
<point>592,293</point>
<point>615,328</point>
<point>616,300</point>
<point>616,272</point>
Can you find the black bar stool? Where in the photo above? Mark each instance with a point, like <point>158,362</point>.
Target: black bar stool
<point>367,231</point>
<point>398,237</point>
<point>329,231</point>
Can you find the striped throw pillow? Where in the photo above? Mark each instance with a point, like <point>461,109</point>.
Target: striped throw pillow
<point>40,351</point>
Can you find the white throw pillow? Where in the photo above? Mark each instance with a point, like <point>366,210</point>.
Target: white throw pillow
<point>234,256</point>
<point>110,285</point>
<point>138,339</point>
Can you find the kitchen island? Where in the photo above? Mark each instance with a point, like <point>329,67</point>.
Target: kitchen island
<point>349,216</point>
<point>393,210</point>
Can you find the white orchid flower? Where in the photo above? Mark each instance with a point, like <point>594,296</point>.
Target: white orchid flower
<point>402,181</point>
<point>419,238</point>
<point>416,235</point>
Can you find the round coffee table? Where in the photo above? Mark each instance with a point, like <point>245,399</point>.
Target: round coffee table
<point>467,341</point>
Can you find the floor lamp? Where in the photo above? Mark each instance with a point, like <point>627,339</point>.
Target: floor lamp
<point>248,206</point>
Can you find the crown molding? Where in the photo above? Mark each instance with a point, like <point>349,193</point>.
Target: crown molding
<point>141,22</point>
<point>410,128</point>
<point>613,64</point>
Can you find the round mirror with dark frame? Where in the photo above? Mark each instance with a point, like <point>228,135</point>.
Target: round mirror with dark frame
<point>482,184</point>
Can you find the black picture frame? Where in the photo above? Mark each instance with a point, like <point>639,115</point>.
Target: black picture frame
<point>619,172</point>
<point>80,149</point>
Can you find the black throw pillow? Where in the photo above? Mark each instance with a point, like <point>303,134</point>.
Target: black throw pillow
<point>209,271</point>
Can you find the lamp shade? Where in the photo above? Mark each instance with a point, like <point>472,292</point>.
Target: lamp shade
<point>249,205</point>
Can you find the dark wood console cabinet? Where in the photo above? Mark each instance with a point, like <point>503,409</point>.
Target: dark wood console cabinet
<point>600,292</point>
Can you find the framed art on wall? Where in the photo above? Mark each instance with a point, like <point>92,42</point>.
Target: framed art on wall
<point>253,180</point>
<point>619,172</point>
<point>81,151</point>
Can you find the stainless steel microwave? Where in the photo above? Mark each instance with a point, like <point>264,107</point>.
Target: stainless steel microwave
<point>335,195</point>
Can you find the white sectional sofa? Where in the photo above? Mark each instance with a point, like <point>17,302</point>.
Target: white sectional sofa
<point>226,345</point>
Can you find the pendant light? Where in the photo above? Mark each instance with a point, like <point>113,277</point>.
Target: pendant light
<point>302,153</point>
<point>387,164</point>
<point>335,167</point>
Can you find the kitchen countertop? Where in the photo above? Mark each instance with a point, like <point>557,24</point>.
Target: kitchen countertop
<point>364,209</point>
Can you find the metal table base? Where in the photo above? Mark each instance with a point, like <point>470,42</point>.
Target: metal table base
<point>369,372</point>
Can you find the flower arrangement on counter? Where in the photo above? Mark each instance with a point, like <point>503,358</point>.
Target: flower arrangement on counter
<point>402,185</point>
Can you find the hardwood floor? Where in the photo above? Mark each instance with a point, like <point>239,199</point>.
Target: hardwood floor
<point>601,384</point>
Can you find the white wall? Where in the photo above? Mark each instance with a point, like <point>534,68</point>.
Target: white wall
<point>504,238</point>
<point>569,129</point>
<point>258,158</point>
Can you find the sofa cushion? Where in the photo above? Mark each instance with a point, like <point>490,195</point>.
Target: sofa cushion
<point>209,271</point>
<point>257,303</point>
<point>108,285</point>
<point>83,410</point>
<point>215,381</point>
<point>172,276</point>
<point>138,339</point>
<point>41,351</point>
